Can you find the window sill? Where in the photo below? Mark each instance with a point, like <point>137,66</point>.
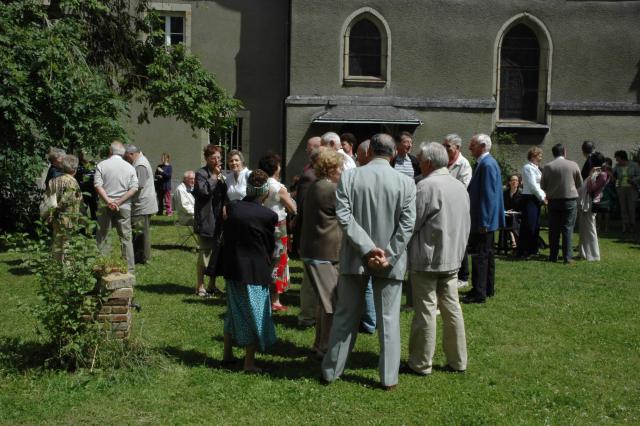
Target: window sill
<point>522,125</point>
<point>364,81</point>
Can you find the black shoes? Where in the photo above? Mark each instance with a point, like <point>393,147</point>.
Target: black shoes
<point>472,299</point>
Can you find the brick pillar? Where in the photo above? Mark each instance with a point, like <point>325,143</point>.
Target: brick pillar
<point>115,312</point>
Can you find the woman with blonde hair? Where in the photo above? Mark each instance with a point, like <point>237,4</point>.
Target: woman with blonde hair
<point>532,198</point>
<point>320,242</point>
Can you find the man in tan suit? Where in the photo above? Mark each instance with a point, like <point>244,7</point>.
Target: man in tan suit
<point>436,249</point>
<point>560,181</point>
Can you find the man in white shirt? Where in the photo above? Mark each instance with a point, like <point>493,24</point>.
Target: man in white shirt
<point>183,198</point>
<point>332,140</point>
<point>116,182</point>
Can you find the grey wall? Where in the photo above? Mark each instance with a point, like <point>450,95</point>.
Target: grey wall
<point>446,49</point>
<point>243,42</point>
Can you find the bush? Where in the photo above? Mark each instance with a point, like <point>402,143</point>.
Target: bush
<point>67,292</point>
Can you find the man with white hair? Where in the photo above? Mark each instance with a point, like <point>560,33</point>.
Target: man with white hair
<point>116,183</point>
<point>362,152</point>
<point>183,198</point>
<point>375,207</point>
<point>332,140</point>
<point>436,249</point>
<point>144,204</point>
<point>487,216</point>
<point>460,169</point>
<point>54,156</point>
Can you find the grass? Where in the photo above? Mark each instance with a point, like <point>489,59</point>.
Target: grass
<point>558,344</point>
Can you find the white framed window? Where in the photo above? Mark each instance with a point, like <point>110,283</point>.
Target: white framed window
<point>236,137</point>
<point>175,23</point>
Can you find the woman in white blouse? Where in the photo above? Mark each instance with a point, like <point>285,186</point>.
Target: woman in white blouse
<point>236,176</point>
<point>532,198</point>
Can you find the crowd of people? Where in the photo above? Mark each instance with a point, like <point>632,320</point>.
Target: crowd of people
<point>362,223</point>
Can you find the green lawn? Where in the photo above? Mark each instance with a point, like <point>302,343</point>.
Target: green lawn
<point>558,344</point>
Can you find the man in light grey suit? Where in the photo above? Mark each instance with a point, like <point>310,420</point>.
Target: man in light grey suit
<point>376,210</point>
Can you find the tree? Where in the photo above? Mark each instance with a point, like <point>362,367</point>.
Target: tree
<point>69,72</point>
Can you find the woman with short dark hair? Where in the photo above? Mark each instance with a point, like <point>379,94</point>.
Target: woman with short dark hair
<point>210,194</point>
<point>280,202</point>
<point>590,194</point>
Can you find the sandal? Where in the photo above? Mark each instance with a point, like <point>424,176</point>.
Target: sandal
<point>278,307</point>
<point>202,293</point>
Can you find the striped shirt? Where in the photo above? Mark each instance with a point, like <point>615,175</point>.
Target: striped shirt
<point>404,166</point>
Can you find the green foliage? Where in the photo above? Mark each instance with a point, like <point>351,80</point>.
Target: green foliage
<point>67,291</point>
<point>500,139</point>
<point>69,72</point>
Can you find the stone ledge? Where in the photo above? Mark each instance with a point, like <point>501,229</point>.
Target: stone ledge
<point>117,280</point>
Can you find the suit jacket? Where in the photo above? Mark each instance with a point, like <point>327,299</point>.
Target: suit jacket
<point>561,179</point>
<point>321,235</point>
<point>442,224</point>
<point>307,178</point>
<point>210,194</point>
<point>375,208</point>
<point>249,242</point>
<point>485,196</point>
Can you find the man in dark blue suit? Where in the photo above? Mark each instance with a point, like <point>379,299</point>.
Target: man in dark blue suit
<point>487,215</point>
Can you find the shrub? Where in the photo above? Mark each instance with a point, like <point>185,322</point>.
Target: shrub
<point>67,291</point>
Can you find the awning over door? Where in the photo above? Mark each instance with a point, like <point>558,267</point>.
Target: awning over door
<point>366,114</point>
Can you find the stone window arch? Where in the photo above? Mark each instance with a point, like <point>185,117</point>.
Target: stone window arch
<point>366,46</point>
<point>523,69</point>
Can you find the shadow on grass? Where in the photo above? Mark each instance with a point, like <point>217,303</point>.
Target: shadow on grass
<point>18,355</point>
<point>202,301</point>
<point>191,357</point>
<point>288,321</point>
<point>167,288</point>
<point>173,247</point>
<point>15,267</point>
<point>295,269</point>
<point>156,221</point>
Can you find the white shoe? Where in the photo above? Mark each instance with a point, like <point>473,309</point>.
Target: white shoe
<point>462,284</point>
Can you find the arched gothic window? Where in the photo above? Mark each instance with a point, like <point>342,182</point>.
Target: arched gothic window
<point>523,70</point>
<point>365,50</point>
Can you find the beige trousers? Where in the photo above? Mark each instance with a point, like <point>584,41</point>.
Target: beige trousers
<point>433,290</point>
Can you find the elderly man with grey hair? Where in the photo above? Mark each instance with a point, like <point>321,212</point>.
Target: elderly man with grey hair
<point>487,216</point>
<point>183,200</point>
<point>435,252</point>
<point>460,169</point>
<point>144,204</point>
<point>375,207</point>
<point>116,183</point>
<point>332,140</point>
<point>54,157</point>
<point>361,152</point>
